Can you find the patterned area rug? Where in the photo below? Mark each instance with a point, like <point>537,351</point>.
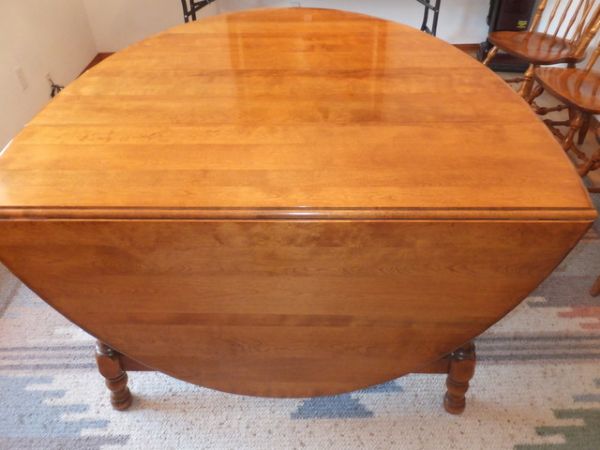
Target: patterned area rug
<point>537,386</point>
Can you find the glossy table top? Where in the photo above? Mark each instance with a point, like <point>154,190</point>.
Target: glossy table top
<point>289,112</point>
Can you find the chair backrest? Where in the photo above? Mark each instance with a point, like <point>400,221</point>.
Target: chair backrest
<point>592,85</point>
<point>593,59</point>
<point>576,21</point>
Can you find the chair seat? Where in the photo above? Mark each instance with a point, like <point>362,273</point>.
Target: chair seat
<point>572,86</point>
<point>536,48</point>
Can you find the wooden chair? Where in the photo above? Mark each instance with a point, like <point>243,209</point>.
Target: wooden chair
<point>569,28</point>
<point>579,90</point>
<point>593,163</point>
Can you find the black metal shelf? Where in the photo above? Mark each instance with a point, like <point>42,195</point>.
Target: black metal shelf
<point>431,6</point>
<point>191,7</point>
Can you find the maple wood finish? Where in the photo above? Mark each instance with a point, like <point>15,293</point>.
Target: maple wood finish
<point>461,370</point>
<point>299,209</point>
<point>560,34</point>
<point>575,87</point>
<point>110,367</point>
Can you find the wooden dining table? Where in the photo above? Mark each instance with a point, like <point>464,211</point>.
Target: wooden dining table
<point>287,203</point>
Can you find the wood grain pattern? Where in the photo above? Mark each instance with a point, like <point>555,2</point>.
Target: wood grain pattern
<point>287,109</point>
<point>535,48</point>
<point>572,86</point>
<point>312,203</point>
<point>285,308</point>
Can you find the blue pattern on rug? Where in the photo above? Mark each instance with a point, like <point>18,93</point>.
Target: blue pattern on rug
<point>389,387</point>
<point>28,421</point>
<point>343,406</point>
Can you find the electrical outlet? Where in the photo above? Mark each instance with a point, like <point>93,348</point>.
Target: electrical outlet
<point>20,74</point>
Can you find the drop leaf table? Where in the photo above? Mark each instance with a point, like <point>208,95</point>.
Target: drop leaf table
<point>287,203</point>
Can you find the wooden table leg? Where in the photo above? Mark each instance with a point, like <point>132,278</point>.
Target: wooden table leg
<point>459,365</point>
<point>460,372</point>
<point>109,365</point>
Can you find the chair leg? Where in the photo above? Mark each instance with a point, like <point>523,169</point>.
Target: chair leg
<point>491,54</point>
<point>539,90</point>
<point>595,290</point>
<point>585,126</point>
<point>528,82</point>
<point>583,169</point>
<point>542,111</point>
<point>569,142</point>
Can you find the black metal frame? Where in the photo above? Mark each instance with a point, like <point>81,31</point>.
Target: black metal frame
<point>434,7</point>
<point>189,12</point>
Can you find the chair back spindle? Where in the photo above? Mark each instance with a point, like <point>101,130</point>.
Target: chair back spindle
<point>574,17</point>
<point>550,22</point>
<point>582,74</point>
<point>538,16</point>
<point>584,18</point>
<point>593,58</point>
<point>591,32</point>
<point>575,21</point>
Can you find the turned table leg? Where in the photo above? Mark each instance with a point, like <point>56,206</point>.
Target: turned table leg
<point>109,365</point>
<point>461,370</point>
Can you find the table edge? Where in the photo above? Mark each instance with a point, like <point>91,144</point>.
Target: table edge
<point>295,213</point>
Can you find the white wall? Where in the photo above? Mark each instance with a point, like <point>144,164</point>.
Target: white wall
<point>461,21</point>
<point>40,37</point>
<point>118,23</point>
